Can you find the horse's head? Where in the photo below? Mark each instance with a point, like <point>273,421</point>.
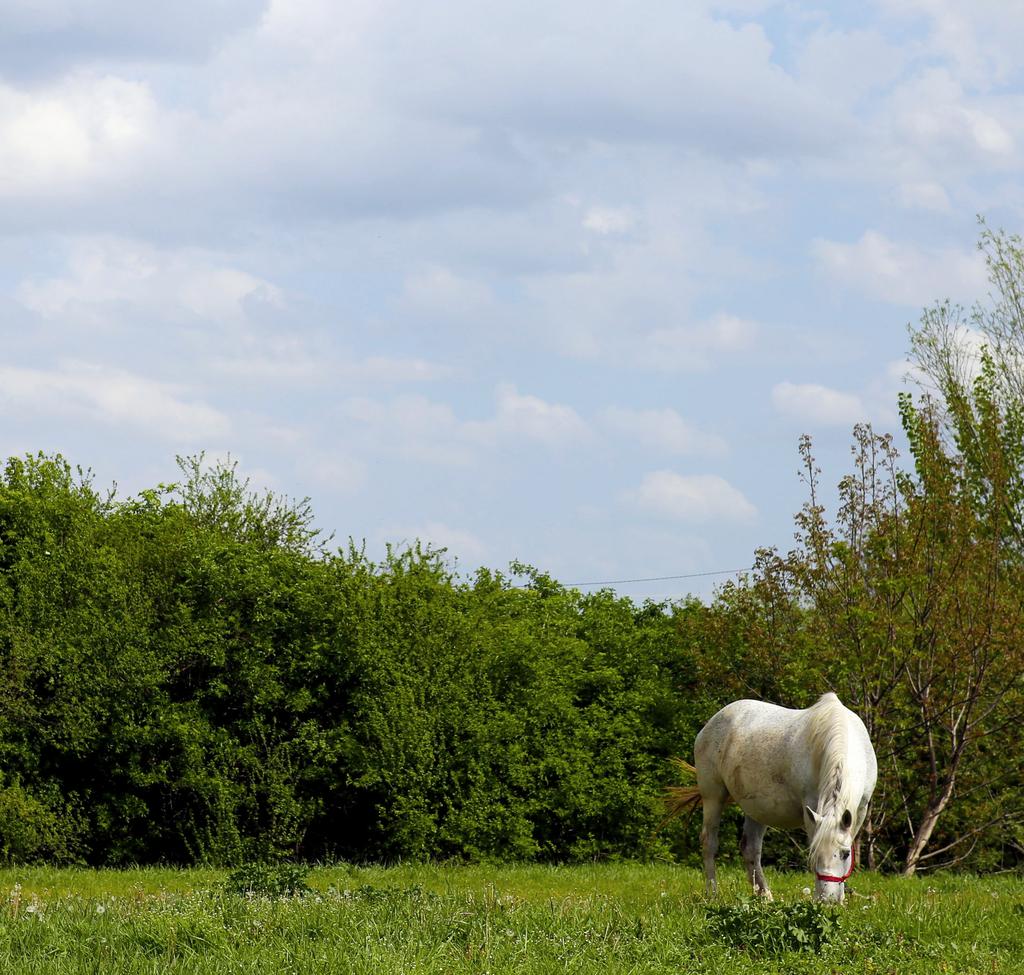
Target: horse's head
<point>831,854</point>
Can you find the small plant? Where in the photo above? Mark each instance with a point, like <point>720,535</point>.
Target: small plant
<point>773,928</point>
<point>273,881</point>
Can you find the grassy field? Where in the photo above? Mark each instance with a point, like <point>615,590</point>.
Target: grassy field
<point>615,918</point>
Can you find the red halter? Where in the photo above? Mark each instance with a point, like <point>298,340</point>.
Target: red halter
<point>838,880</point>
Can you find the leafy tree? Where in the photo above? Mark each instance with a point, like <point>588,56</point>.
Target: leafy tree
<point>914,586</point>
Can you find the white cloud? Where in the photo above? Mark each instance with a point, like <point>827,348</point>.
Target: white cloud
<point>699,498</point>
<point>319,110</point>
<point>571,71</point>
<point>413,427</point>
<point>989,133</point>
<point>79,133</point>
<point>902,273</point>
<point>114,397</point>
<point>627,299</point>
<point>815,404</point>
<point>932,125</point>
<point>221,293</point>
<point>663,430</point>
<point>924,195</point>
<point>980,40</point>
<point>532,418</point>
<point>609,220</point>
<point>108,277</point>
<point>417,427</point>
<point>693,348</point>
<point>281,358</point>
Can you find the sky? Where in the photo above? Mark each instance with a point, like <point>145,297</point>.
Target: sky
<point>559,283</point>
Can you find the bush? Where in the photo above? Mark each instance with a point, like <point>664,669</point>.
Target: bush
<point>767,928</point>
<point>30,831</point>
<point>272,881</point>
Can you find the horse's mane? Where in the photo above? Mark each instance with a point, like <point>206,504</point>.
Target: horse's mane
<point>837,791</point>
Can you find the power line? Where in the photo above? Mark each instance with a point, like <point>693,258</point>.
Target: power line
<point>689,575</point>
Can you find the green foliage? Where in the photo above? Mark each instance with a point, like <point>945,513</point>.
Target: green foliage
<point>190,676</point>
<point>273,881</point>
<point>772,929</point>
<point>31,830</point>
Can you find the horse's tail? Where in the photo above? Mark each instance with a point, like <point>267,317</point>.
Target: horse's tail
<point>680,798</point>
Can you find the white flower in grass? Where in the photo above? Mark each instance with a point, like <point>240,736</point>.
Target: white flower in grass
<point>101,909</point>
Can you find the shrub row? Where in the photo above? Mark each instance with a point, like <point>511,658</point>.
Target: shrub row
<point>188,676</point>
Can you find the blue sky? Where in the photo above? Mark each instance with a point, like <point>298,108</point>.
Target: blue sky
<point>561,283</point>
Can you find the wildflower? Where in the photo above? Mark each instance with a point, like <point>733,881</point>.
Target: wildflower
<point>100,909</point>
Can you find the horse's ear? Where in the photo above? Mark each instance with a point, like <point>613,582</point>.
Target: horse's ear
<point>813,814</point>
<point>847,821</point>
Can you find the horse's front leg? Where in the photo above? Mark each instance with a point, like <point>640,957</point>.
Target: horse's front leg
<point>750,846</point>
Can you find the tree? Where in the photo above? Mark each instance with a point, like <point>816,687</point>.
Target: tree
<point>915,587</point>
<point>970,364</point>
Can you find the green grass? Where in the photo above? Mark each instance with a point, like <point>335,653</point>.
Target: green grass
<point>615,918</point>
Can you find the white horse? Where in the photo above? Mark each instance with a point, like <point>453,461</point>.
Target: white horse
<point>813,768</point>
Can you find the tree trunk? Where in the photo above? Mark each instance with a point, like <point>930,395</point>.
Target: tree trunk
<point>926,827</point>
<point>866,840</point>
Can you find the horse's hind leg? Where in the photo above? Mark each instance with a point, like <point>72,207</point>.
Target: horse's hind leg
<point>709,839</point>
<point>750,847</point>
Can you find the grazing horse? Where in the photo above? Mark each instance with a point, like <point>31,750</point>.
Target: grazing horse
<point>813,768</point>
